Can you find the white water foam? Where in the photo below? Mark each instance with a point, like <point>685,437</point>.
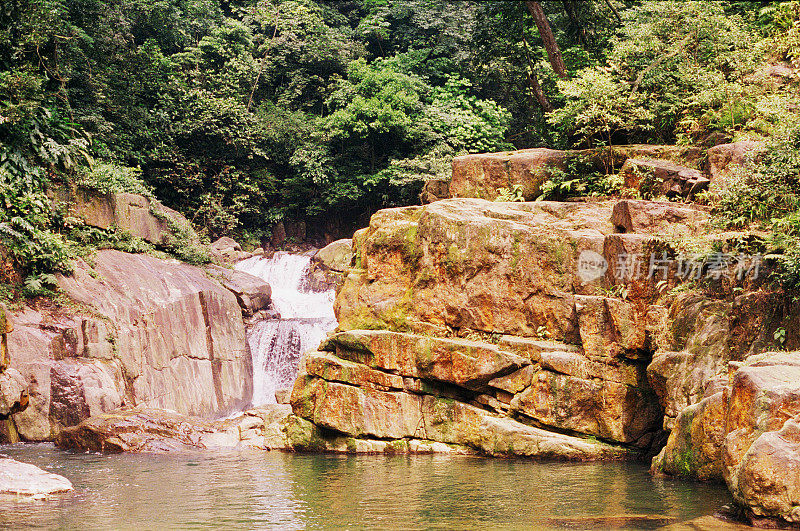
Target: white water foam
<point>306,317</point>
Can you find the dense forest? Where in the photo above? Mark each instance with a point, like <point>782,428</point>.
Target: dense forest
<point>243,113</point>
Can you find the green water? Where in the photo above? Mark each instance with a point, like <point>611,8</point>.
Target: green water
<point>292,491</point>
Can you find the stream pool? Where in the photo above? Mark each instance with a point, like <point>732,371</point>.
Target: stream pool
<point>251,489</point>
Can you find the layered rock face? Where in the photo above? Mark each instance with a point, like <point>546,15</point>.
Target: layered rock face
<point>141,331</point>
<point>141,216</point>
<point>511,315</point>
<point>482,175</point>
<point>747,432</point>
<point>379,385</point>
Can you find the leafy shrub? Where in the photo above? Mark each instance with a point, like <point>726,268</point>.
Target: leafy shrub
<point>664,58</point>
<point>513,194</point>
<point>765,192</point>
<point>107,177</point>
<point>578,178</point>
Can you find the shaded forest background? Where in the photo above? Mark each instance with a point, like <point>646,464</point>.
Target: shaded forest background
<point>242,113</point>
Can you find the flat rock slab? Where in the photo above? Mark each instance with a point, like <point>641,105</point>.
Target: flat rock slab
<point>23,479</point>
<point>148,430</point>
<point>468,364</point>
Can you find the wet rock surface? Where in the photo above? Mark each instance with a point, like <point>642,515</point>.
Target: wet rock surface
<point>747,434</point>
<point>149,430</point>
<point>23,479</point>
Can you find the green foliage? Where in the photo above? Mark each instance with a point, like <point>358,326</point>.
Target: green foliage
<point>513,194</point>
<point>667,61</point>
<point>111,178</point>
<point>465,123</point>
<point>782,21</point>
<point>40,285</point>
<point>578,178</point>
<point>767,188</point>
<point>599,106</point>
<point>765,192</point>
<point>780,337</point>
<point>94,238</point>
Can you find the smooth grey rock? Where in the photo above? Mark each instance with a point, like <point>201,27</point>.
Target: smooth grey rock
<point>23,479</point>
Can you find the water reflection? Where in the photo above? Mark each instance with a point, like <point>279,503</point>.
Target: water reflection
<point>286,491</point>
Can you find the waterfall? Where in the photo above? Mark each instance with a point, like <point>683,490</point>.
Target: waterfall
<point>306,317</point>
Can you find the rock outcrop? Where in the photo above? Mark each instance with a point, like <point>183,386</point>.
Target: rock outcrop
<point>23,479</point>
<point>141,216</point>
<point>555,353</point>
<point>483,175</point>
<point>532,329</point>
<point>336,256</point>
<point>140,331</point>
<point>748,433</point>
<point>656,178</point>
<point>150,430</point>
<point>329,265</point>
<point>392,386</point>
<point>252,293</point>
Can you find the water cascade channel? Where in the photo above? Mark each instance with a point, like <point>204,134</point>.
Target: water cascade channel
<point>306,316</point>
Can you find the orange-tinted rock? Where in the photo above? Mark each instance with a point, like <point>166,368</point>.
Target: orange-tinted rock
<point>765,393</point>
<point>655,178</point>
<point>481,175</point>
<point>141,216</point>
<point>605,409</point>
<point>659,217</point>
<point>694,448</point>
<point>364,412</point>
<point>767,481</point>
<point>468,364</point>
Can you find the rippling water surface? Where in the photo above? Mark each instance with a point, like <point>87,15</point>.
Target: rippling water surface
<point>294,491</point>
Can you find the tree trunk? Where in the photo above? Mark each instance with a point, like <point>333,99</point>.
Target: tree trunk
<point>533,80</point>
<point>549,40</point>
<point>538,93</point>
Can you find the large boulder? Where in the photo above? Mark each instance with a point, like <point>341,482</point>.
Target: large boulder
<point>150,430</point>
<point>482,175</point>
<point>336,256</point>
<point>468,364</point>
<point>141,216</point>
<point>747,432</point>
<point>767,479</point>
<point>252,293</point>
<point>364,411</point>
<point>23,479</point>
<point>656,178</point>
<point>694,447</point>
<point>141,331</point>
<point>506,268</point>
<point>388,385</point>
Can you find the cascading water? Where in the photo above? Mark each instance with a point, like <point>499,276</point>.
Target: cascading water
<point>306,317</point>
